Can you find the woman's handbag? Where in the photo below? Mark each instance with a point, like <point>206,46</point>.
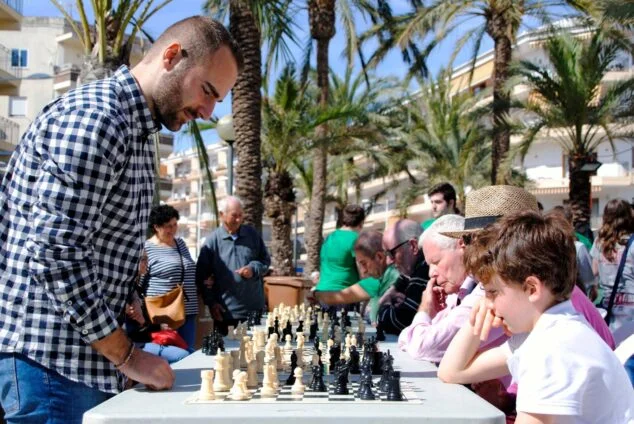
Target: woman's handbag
<point>169,308</point>
<point>617,280</point>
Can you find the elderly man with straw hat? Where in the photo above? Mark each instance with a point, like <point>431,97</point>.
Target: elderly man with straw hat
<point>446,303</point>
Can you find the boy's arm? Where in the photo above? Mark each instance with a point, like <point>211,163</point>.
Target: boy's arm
<point>462,364</point>
<point>526,418</point>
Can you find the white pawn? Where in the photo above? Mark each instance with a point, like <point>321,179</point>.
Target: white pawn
<point>239,390</point>
<point>230,334</point>
<point>252,374</point>
<point>207,386</point>
<point>300,341</point>
<point>288,345</point>
<point>298,387</point>
<point>235,360</point>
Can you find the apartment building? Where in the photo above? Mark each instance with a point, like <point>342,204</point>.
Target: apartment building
<point>546,164</point>
<point>40,59</point>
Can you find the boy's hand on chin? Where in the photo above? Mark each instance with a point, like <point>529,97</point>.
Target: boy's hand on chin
<point>483,318</point>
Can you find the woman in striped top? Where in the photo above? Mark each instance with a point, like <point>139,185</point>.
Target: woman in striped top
<point>170,264</point>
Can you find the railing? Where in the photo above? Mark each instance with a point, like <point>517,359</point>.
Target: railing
<point>14,4</point>
<point>9,131</point>
<point>5,60</point>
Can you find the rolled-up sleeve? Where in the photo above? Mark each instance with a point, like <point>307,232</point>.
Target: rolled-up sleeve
<point>80,154</point>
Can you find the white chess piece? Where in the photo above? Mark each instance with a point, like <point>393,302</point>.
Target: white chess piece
<point>300,357</point>
<point>288,345</point>
<point>207,385</point>
<point>259,360</point>
<point>239,390</point>
<point>252,374</point>
<point>279,358</point>
<point>235,360</point>
<point>268,388</point>
<point>243,351</point>
<point>361,327</point>
<point>353,340</point>
<point>298,387</point>
<point>230,334</point>
<point>300,341</point>
<point>221,383</point>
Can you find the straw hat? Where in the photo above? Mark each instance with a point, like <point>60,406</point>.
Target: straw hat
<point>486,205</point>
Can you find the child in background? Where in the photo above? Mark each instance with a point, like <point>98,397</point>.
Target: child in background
<point>564,371</point>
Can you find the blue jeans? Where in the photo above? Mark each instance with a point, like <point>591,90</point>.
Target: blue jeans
<point>188,331</point>
<point>30,393</point>
<point>170,353</point>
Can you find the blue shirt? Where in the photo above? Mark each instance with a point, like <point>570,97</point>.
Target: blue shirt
<point>74,209</point>
<point>220,257</point>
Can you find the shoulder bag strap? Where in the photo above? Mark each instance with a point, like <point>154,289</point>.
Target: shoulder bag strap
<point>182,281</point>
<point>617,280</point>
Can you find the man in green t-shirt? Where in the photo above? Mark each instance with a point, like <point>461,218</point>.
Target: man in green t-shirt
<point>376,276</point>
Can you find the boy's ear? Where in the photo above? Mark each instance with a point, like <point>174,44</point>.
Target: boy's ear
<point>534,288</point>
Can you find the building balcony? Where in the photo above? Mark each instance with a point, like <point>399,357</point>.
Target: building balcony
<point>65,78</point>
<point>9,76</point>
<point>9,134</point>
<point>165,185</point>
<point>10,14</point>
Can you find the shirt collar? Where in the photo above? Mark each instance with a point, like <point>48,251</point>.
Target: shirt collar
<point>226,235</point>
<point>467,287</point>
<point>135,102</point>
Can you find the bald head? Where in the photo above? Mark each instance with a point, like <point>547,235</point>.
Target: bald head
<point>400,242</point>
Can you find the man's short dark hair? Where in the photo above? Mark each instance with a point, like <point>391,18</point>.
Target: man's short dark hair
<point>447,190</point>
<point>200,37</point>
<point>369,243</point>
<point>161,215</point>
<point>352,216</point>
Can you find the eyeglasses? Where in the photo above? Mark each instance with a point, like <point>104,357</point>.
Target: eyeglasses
<point>391,252</point>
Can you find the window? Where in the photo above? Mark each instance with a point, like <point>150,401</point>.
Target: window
<point>17,106</point>
<point>19,58</point>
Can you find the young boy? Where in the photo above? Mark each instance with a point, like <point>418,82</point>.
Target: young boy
<point>564,371</point>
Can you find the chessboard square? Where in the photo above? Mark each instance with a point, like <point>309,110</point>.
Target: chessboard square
<point>315,395</point>
<point>342,398</point>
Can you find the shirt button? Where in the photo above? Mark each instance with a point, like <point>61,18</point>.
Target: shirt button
<point>84,332</point>
<point>69,302</point>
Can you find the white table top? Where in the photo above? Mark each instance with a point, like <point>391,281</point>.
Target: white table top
<point>442,403</point>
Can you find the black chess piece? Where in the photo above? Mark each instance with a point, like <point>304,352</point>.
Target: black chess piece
<point>394,387</point>
<point>205,346</point>
<point>335,355</point>
<point>276,326</point>
<point>380,334</point>
<point>317,382</point>
<point>271,331</point>
<point>288,330</point>
<point>341,372</point>
<point>291,378</point>
<point>353,362</point>
<point>313,330</point>
<point>300,328</point>
<point>365,387</point>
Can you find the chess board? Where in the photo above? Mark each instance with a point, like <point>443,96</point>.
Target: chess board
<point>410,395</point>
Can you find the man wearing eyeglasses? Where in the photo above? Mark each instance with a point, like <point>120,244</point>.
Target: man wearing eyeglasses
<point>400,303</point>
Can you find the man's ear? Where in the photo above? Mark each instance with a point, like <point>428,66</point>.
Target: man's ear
<point>172,54</point>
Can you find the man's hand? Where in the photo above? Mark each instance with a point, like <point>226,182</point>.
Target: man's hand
<point>392,296</point>
<point>216,311</point>
<point>149,369</point>
<point>134,312</point>
<point>593,293</point>
<point>245,272</point>
<point>433,299</point>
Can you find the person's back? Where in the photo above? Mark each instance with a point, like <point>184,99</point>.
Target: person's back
<point>338,269</point>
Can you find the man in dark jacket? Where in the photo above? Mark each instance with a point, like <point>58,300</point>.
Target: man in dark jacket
<point>231,267</point>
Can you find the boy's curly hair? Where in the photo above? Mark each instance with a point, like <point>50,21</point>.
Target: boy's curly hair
<point>523,245</point>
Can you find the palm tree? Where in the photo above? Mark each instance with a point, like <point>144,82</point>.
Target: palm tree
<point>444,140</point>
<point>106,44</point>
<point>499,19</point>
<point>252,23</point>
<point>570,103</point>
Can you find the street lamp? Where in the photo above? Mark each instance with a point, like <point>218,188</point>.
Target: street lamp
<point>224,127</point>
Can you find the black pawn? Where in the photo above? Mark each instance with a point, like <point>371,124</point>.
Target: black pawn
<point>353,362</point>
<point>394,387</point>
<point>291,378</point>
<point>380,334</point>
<point>313,330</point>
<point>276,327</point>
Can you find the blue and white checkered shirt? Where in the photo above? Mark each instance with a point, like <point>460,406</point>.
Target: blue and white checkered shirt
<point>74,209</point>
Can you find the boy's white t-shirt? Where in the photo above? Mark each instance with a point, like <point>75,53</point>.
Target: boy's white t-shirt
<point>563,367</point>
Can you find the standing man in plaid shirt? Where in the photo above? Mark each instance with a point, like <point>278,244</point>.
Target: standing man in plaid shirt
<point>74,208</point>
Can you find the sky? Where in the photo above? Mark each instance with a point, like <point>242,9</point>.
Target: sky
<point>180,9</point>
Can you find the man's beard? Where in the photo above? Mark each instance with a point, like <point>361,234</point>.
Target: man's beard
<point>168,101</point>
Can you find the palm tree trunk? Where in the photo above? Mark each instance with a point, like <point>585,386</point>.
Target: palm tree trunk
<point>246,103</point>
<point>580,189</point>
<point>321,14</point>
<point>279,201</point>
<point>501,98</point>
